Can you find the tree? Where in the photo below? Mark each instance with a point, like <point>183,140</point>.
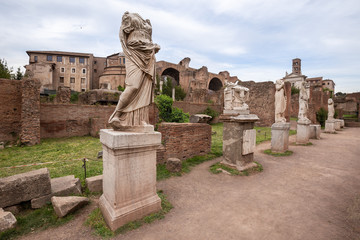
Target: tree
<point>5,72</point>
<point>18,75</point>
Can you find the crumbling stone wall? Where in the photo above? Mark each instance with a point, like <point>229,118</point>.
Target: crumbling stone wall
<point>67,120</point>
<point>262,101</point>
<point>185,140</point>
<point>63,94</point>
<point>10,110</point>
<point>30,112</point>
<point>194,108</point>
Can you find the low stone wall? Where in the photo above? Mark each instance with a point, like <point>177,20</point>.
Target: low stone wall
<point>184,140</point>
<point>67,120</point>
<point>194,108</point>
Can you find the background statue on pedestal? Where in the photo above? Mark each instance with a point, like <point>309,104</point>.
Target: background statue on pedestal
<point>235,97</point>
<point>331,110</point>
<point>139,50</point>
<point>280,101</point>
<point>303,103</point>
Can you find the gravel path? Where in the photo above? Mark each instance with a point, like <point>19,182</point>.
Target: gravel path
<point>312,194</point>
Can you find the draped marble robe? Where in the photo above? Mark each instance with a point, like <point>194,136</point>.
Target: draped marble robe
<point>139,50</point>
<point>280,101</point>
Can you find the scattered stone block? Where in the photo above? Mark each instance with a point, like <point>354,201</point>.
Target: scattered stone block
<point>7,220</point>
<point>62,186</point>
<point>95,184</point>
<point>24,187</point>
<point>315,130</point>
<point>65,205</point>
<point>200,118</point>
<point>173,165</point>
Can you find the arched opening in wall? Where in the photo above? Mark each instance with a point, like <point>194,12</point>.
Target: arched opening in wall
<point>173,74</point>
<point>215,84</point>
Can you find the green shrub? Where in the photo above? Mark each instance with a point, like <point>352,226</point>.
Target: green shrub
<point>321,116</point>
<point>167,112</point>
<point>180,94</point>
<point>120,88</point>
<point>211,112</point>
<point>52,97</point>
<point>294,90</point>
<point>74,97</point>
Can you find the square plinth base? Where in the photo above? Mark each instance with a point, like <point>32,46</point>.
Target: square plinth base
<point>337,124</point>
<point>129,176</point>
<point>303,133</point>
<point>280,137</point>
<point>330,126</point>
<point>315,130</point>
<point>239,139</point>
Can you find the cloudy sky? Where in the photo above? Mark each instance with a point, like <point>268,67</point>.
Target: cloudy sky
<point>252,39</point>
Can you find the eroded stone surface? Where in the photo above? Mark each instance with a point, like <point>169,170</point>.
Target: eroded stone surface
<point>200,118</point>
<point>24,187</point>
<point>249,141</point>
<point>303,133</point>
<point>65,205</point>
<point>329,126</point>
<point>7,220</point>
<point>315,130</point>
<point>173,165</point>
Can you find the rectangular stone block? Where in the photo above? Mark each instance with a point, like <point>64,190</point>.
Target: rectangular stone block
<point>303,133</point>
<point>129,176</point>
<point>315,130</point>
<point>24,187</point>
<point>280,137</point>
<point>249,141</point>
<point>329,126</point>
<point>337,124</point>
<point>94,184</point>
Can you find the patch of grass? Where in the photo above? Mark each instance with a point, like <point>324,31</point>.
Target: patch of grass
<point>97,223</point>
<point>262,134</point>
<point>35,220</point>
<point>61,152</point>
<point>306,144</point>
<point>293,118</point>
<point>292,132</point>
<point>215,168</point>
<point>350,116</point>
<point>275,154</point>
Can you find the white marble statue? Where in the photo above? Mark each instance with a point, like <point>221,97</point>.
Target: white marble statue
<point>235,97</point>
<point>280,101</point>
<point>303,103</point>
<point>331,110</point>
<point>136,40</point>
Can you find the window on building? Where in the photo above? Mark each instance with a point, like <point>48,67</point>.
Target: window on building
<point>124,60</point>
<point>94,62</point>
<point>81,60</point>
<point>72,59</point>
<point>73,70</point>
<point>82,80</point>
<point>61,79</point>
<point>48,58</point>
<point>296,69</point>
<point>84,70</point>
<point>35,58</point>
<point>72,80</point>
<point>296,63</point>
<point>95,70</point>
<point>83,89</point>
<point>323,83</point>
<point>62,69</point>
<point>59,58</point>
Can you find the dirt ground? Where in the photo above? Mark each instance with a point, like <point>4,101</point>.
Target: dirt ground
<point>312,194</point>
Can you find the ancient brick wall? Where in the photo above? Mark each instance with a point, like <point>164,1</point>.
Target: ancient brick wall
<point>185,140</point>
<point>294,105</point>
<point>262,101</point>
<point>194,108</point>
<point>10,109</point>
<point>30,112</point>
<point>66,120</point>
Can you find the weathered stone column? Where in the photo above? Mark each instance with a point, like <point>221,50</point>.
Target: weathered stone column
<point>129,176</point>
<point>280,137</point>
<point>239,140</point>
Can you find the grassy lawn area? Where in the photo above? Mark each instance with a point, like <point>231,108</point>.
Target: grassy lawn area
<point>64,156</point>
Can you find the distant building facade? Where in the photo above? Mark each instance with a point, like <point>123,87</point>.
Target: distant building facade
<point>114,73</point>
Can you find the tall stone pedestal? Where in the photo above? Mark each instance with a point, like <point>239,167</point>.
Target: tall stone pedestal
<point>239,140</point>
<point>303,132</point>
<point>129,176</point>
<point>315,130</point>
<point>280,137</point>
<point>330,126</point>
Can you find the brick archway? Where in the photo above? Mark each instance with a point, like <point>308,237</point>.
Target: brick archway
<point>215,84</point>
<point>173,73</point>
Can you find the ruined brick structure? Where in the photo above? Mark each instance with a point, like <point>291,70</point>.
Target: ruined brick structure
<point>10,110</point>
<point>185,140</point>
